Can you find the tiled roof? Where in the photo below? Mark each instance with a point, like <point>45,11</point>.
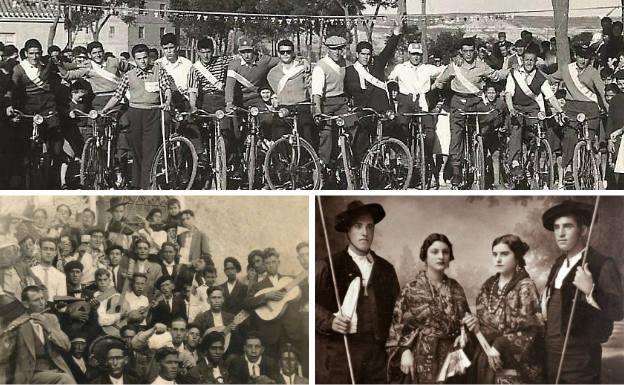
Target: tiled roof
<point>20,9</point>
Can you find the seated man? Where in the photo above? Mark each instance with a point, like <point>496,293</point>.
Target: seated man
<point>289,366</point>
<point>136,304</point>
<point>106,301</point>
<point>212,367</point>
<point>116,368</point>
<point>254,367</point>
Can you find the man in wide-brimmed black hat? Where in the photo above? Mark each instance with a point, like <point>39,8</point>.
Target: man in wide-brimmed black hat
<point>368,323</point>
<point>599,301</point>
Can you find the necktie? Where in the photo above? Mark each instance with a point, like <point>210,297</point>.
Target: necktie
<point>169,303</point>
<point>114,278</point>
<point>253,370</point>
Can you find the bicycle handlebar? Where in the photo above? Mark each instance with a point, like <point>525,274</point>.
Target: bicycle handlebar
<point>37,118</point>
<point>93,114</point>
<point>540,115</point>
<point>413,114</point>
<point>475,113</point>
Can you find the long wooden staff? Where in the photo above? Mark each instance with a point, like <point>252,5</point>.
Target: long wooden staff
<point>162,124</point>
<point>333,275</point>
<point>576,292</point>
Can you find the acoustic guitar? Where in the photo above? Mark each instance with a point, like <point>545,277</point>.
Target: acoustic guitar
<point>117,306</point>
<point>274,309</point>
<point>227,329</point>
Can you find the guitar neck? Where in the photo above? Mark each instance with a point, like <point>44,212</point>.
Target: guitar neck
<point>296,281</point>
<point>238,319</point>
<point>126,284</point>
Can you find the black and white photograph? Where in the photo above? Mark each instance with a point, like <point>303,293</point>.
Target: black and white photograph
<point>469,289</point>
<point>153,290</point>
<point>310,95</point>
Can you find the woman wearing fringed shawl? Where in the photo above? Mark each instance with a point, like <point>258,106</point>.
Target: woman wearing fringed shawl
<point>427,318</point>
<point>508,315</point>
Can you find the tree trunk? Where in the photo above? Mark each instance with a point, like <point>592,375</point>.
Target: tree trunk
<point>98,27</point>
<point>52,31</point>
<point>561,10</point>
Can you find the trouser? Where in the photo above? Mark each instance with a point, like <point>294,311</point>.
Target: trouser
<point>52,377</point>
<point>407,105</point>
<point>328,134</point>
<point>570,130</point>
<point>144,137</point>
<point>520,128</point>
<point>581,365</point>
<point>306,127</point>
<point>465,103</point>
<point>368,358</point>
<point>361,139</point>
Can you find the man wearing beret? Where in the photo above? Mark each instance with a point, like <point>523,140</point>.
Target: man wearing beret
<point>212,367</point>
<point>585,95</point>
<point>233,290</point>
<point>599,298</point>
<point>367,286</point>
<point>365,83</point>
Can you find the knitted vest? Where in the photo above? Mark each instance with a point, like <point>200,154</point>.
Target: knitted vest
<point>139,96</point>
<point>334,81</point>
<point>520,98</point>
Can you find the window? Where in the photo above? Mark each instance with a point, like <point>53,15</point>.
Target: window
<point>111,32</point>
<point>162,10</point>
<point>162,31</point>
<point>141,32</point>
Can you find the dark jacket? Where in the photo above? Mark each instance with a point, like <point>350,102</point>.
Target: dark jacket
<point>373,96</point>
<point>162,314</point>
<point>268,367</point>
<point>234,301</point>
<point>588,321</point>
<point>202,374</point>
<point>205,320</point>
<point>128,376</point>
<point>383,280</point>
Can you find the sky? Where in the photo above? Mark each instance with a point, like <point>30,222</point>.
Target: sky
<point>448,6</point>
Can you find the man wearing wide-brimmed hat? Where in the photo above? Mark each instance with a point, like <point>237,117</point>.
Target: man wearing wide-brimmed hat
<point>367,286</point>
<point>599,301</point>
<point>328,96</point>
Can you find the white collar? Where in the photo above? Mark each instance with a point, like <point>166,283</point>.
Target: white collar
<point>160,380</point>
<point>172,264</point>
<point>368,258</point>
<point>573,260</point>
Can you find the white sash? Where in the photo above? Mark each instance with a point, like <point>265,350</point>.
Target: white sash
<point>332,64</point>
<point>288,74</point>
<point>521,81</point>
<point>32,72</point>
<point>208,75</point>
<point>240,78</point>
<point>574,74</point>
<point>366,76</point>
<point>103,73</point>
<point>619,163</point>
<point>465,82</point>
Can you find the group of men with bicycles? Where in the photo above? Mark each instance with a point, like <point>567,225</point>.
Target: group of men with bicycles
<point>252,120</point>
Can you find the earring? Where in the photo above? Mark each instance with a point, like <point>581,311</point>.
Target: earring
<point>518,268</point>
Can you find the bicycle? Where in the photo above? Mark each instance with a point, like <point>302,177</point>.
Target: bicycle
<point>473,167</point>
<point>175,164</point>
<point>291,162</point>
<point>388,163</point>
<point>38,161</point>
<point>416,143</point>
<point>584,164</point>
<point>215,174</point>
<point>99,168</point>
<point>255,147</point>
<point>537,160</point>
<point>345,174</point>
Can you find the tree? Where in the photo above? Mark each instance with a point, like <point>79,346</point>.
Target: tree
<point>369,24</point>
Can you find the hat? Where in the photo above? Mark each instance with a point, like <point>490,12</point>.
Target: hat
<point>115,202</point>
<point>210,338</point>
<point>582,211</point>
<point>619,75</point>
<point>355,209</point>
<point>584,51</point>
<point>520,43</point>
<point>415,48</point>
<point>71,265</point>
<point>244,43</point>
<point>78,336</point>
<point>115,247</point>
<point>157,341</point>
<point>335,41</point>
<point>288,347</point>
<point>163,279</point>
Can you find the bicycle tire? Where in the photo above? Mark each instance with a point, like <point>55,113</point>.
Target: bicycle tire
<point>90,166</point>
<point>344,172</point>
<point>584,169</point>
<point>220,166</point>
<point>251,162</point>
<point>37,175</point>
<point>479,166</point>
<point>181,165</point>
<point>422,162</point>
<point>543,168</point>
<point>275,156</point>
<point>391,180</point>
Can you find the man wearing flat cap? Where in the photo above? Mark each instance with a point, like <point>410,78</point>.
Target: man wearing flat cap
<point>367,286</point>
<point>365,83</point>
<point>328,94</point>
<point>75,358</point>
<point>586,94</point>
<point>115,361</point>
<point>118,231</point>
<point>599,298</point>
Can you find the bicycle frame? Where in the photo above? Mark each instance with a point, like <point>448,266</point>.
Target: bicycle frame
<point>468,152</point>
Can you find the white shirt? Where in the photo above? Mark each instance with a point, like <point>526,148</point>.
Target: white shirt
<point>160,380</point>
<point>38,331</point>
<point>179,71</point>
<point>117,381</point>
<point>318,76</point>
<point>416,80</point>
<point>105,318</point>
<point>81,364</point>
<point>252,365</point>
<point>134,303</point>
<point>288,379</point>
<point>169,267</point>
<point>218,319</point>
<point>141,266</point>
<point>197,304</point>
<point>565,269</point>
<point>365,264</point>
<point>90,264</point>
<point>274,279</point>
<point>53,280</point>
<point>545,90</point>
<point>230,286</point>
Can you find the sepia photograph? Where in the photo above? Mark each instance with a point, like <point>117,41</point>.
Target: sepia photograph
<point>469,289</point>
<point>153,290</point>
<point>311,95</point>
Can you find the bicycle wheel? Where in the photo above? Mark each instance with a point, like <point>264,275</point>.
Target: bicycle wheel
<point>251,161</point>
<point>543,168</point>
<point>479,164</point>
<point>289,166</point>
<point>37,173</point>
<point>181,165</point>
<point>220,166</point>
<point>344,171</point>
<point>387,166</point>
<point>420,163</point>
<point>90,167</point>
<point>584,169</point>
